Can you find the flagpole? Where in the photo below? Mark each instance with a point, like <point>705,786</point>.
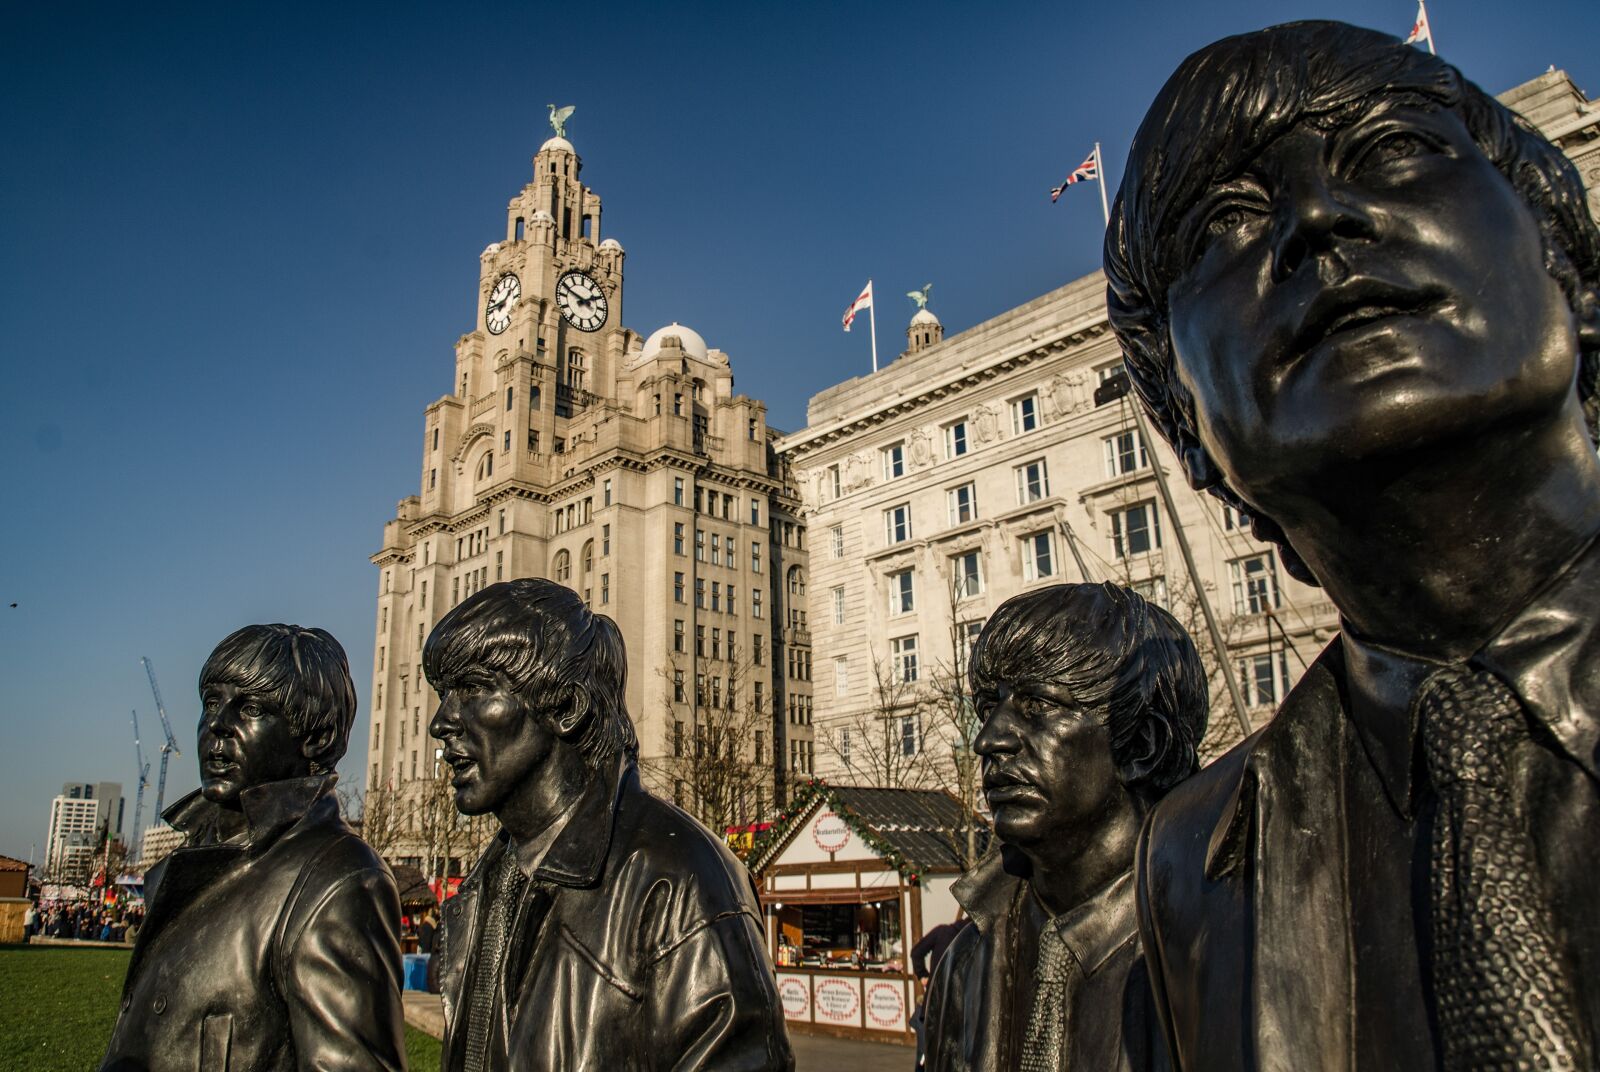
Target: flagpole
<point>1100,177</point>
<point>1427,22</point>
<point>872,317</point>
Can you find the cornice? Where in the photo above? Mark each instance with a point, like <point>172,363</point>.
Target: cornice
<point>807,440</point>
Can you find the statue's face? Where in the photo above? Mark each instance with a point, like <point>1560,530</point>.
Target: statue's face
<point>493,744</point>
<point>244,741</point>
<point>1361,291</point>
<point>1047,764</point>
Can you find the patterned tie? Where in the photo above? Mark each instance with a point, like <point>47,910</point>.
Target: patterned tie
<point>508,887</point>
<point>1505,998</point>
<point>1047,1020</point>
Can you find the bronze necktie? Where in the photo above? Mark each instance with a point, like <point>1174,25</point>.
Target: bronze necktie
<point>481,1001</point>
<point>1047,1020</point>
<point>1504,994</point>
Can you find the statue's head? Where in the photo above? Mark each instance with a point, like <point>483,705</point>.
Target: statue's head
<point>1330,248</point>
<point>524,669</point>
<point>277,703</point>
<point>1087,695</point>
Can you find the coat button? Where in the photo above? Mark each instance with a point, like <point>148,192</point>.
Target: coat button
<point>160,1004</point>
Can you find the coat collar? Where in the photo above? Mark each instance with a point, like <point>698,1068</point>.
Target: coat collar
<point>577,855</point>
<point>266,812</point>
<point>1093,930</point>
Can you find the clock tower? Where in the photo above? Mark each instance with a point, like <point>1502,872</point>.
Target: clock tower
<point>627,468</point>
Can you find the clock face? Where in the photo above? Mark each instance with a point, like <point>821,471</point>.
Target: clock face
<point>497,315</point>
<point>581,301</point>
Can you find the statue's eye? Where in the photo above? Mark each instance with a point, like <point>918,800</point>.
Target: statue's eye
<point>1393,147</point>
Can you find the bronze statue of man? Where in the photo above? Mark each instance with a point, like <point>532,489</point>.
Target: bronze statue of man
<point>1093,703</point>
<point>272,941</point>
<point>1361,300</point>
<point>603,928</point>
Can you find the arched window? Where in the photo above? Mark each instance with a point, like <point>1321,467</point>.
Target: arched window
<point>797,582</point>
<point>486,465</point>
<point>588,558</point>
<point>563,568</point>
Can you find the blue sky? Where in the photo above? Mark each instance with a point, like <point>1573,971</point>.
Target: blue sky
<point>237,244</point>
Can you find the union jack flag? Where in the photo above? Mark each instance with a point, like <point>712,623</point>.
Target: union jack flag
<point>1089,169</point>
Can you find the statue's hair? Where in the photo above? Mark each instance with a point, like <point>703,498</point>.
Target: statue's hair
<point>546,643</point>
<point>303,672</point>
<point>1111,652</point>
<point>1224,105</point>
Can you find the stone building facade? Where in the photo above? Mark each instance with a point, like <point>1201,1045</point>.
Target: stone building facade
<point>980,466</point>
<point>625,467</point>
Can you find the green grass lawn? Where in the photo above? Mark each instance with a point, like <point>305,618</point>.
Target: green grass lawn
<point>58,1005</point>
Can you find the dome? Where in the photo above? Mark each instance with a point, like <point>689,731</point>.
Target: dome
<point>693,344</point>
<point>611,243</point>
<point>922,316</point>
<point>557,142</point>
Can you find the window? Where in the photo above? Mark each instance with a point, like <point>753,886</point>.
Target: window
<point>1263,679</point>
<point>1033,482</point>
<point>955,439</point>
<point>835,481</point>
<point>838,605</point>
<point>1024,414</point>
<point>502,530</point>
<point>677,491</point>
<point>836,541</point>
<point>507,444</point>
<point>677,537</point>
<point>1038,556</point>
<point>1125,453</point>
<point>700,592</point>
<point>797,582</point>
<point>1153,589</point>
<point>910,735</point>
<point>677,588</point>
<point>605,541</point>
<point>677,635</point>
<point>563,566</point>
<point>755,556</point>
<point>677,725</point>
<point>1135,530</point>
<point>894,461</point>
<point>968,632</point>
<point>844,747</point>
<point>841,676</point>
<point>902,592</point>
<point>897,523</point>
<point>700,641</point>
<point>499,566</point>
<point>433,479</point>
<point>1255,584</point>
<point>755,511</point>
<point>533,396</point>
<point>716,595</point>
<point>750,428</point>
<point>716,643</point>
<point>605,588</point>
<point>486,465</point>
<point>733,608</point>
<point>606,493</point>
<point>533,440</point>
<point>716,549</point>
<point>588,557</point>
<point>963,503</point>
<point>436,439</point>
<point>1231,519</point>
<point>509,392</point>
<point>699,545</point>
<point>755,602</point>
<point>903,659</point>
<point>967,574</point>
<point>677,405</point>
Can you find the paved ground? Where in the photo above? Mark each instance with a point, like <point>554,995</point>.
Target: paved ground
<point>813,1053</point>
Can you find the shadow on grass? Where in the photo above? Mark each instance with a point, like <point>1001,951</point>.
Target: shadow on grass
<point>58,1005</point>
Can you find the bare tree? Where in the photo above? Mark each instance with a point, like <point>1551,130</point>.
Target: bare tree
<point>953,722</point>
<point>883,743</point>
<point>377,812</point>
<point>717,766</point>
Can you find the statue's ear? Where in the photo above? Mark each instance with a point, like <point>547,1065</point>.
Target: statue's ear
<point>313,746</point>
<point>1144,753</point>
<point>1197,465</point>
<point>572,714</point>
<point>1587,311</point>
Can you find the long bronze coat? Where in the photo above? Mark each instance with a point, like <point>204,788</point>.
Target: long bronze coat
<point>272,952</point>
<point>637,944</point>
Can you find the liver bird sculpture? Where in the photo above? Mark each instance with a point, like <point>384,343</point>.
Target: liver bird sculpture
<point>920,296</point>
<point>559,117</point>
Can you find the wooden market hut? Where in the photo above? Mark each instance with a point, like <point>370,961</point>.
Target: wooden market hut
<point>850,878</point>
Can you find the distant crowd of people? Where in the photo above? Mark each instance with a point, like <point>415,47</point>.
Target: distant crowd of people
<point>85,921</point>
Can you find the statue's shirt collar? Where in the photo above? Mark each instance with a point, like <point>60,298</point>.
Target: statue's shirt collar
<point>266,811</point>
<point>1548,653</point>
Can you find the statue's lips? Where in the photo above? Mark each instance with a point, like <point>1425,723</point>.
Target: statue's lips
<point>1008,790</point>
<point>1357,305</point>
<point>216,767</point>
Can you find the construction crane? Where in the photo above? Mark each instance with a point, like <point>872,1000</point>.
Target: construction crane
<point>144,780</point>
<point>169,746</point>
